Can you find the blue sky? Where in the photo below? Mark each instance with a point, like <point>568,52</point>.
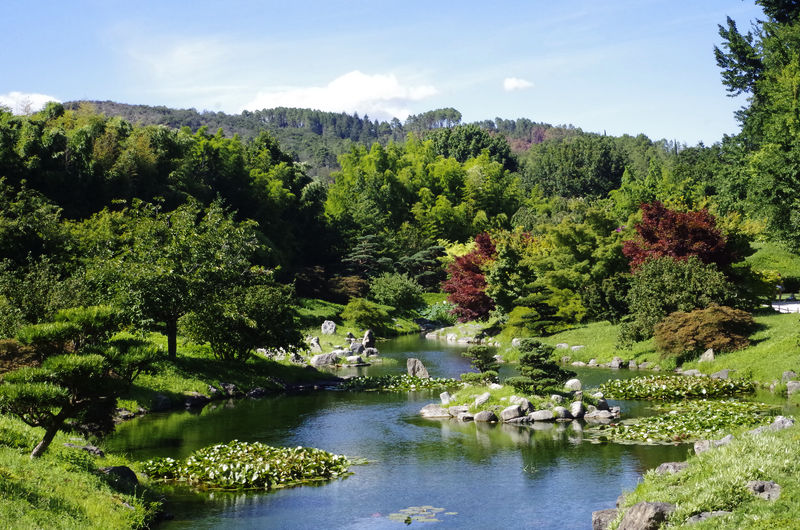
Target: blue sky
<point>620,66</point>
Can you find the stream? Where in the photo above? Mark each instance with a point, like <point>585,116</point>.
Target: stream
<point>480,475</point>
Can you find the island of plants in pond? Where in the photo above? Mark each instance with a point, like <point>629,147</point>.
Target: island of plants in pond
<point>400,383</point>
<point>691,420</point>
<point>250,465</point>
<point>671,388</point>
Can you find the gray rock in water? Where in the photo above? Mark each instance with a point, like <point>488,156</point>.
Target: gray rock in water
<point>704,445</point>
<point>617,363</point>
<point>485,416</point>
<point>121,477</point>
<point>592,362</point>
<point>578,363</point>
<point>632,365</point>
<point>415,368</point>
<point>646,516</point>
<point>369,339</point>
<point>788,376</point>
<point>708,356</point>
<point>445,398</point>
<point>573,384</point>
<point>722,374</point>
<point>792,387</point>
<point>766,489</point>
<point>465,416</point>
<point>602,404</point>
<point>668,468</point>
<point>328,327</point>
<point>562,413</point>
<point>230,389</point>
<point>451,337</point>
<point>355,359</point>
<point>483,398</point>
<point>509,413</point>
<point>371,352</point>
<point>706,515</point>
<point>325,359</point>
<point>601,519</point>
<point>458,410</point>
<point>314,345</point>
<point>434,410</point>
<point>542,415</point>
<point>525,405</point>
<point>598,416</point>
<point>357,348</point>
<point>577,409</point>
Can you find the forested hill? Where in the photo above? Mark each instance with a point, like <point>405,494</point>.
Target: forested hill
<point>316,137</point>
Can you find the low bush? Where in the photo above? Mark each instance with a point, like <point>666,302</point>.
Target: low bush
<point>441,312</point>
<point>538,371</point>
<point>396,290</point>
<point>366,314</point>
<point>481,358</point>
<point>686,335</point>
<point>480,378</point>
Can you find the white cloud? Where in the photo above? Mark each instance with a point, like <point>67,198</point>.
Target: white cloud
<point>381,96</point>
<point>515,83</point>
<point>25,103</point>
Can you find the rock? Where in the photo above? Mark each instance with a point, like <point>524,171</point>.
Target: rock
<point>617,363</point>
<point>328,327</point>
<point>579,363</point>
<point>445,398</point>
<point>632,365</point>
<point>452,337</point>
<point>160,403</point>
<point>325,359</point>
<point>458,409</point>
<point>598,416</point>
<point>495,386</point>
<point>792,387</point>
<point>314,345</point>
<point>557,398</point>
<point>707,357</point>
<point>644,365</point>
<point>562,413</point>
<point>592,362</point>
<point>499,359</point>
<point>693,372</point>
<point>432,335</point>
<point>525,405</point>
<point>483,398</point>
<point>415,368</point>
<point>602,404</point>
<point>91,449</point>
<point>229,389</point>
<point>121,477</point>
<point>509,413</point>
<point>357,348</point>
<point>542,415</point>
<point>668,468</point>
<point>434,411</point>
<point>369,339</point>
<point>515,342</point>
<point>601,519</point>
<point>518,420</point>
<point>195,400</point>
<point>465,416</point>
<point>562,346</point>
<point>485,416</point>
<point>577,348</point>
<point>722,374</point>
<point>121,415</point>
<point>573,384</point>
<point>779,424</point>
<point>705,515</point>
<point>646,516</point>
<point>257,392</point>
<point>355,359</point>
<point>296,358</point>
<point>766,489</point>
<point>566,359</point>
<point>704,445</point>
<point>577,409</point>
<point>371,352</point>
<point>788,376</point>
<point>620,500</point>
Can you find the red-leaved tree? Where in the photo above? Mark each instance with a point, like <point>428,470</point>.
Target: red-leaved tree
<point>665,232</point>
<point>466,282</point>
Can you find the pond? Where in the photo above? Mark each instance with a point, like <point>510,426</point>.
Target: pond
<point>479,475</point>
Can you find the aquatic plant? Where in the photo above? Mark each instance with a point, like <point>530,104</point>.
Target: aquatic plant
<point>670,388</point>
<point>249,465</point>
<point>399,383</point>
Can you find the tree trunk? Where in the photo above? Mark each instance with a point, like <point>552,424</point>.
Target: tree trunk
<point>172,339</point>
<point>49,434</point>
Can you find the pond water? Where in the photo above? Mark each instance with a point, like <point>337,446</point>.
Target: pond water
<point>482,476</point>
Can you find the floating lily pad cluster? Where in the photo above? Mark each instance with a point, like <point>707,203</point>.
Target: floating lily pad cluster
<point>419,514</point>
<point>397,383</point>
<point>691,420</point>
<point>250,465</point>
<point>671,388</point>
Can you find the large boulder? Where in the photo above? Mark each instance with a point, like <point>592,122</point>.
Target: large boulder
<point>577,409</point>
<point>357,348</point>
<point>509,413</point>
<point>722,374</point>
<point>371,352</point>
<point>766,489</point>
<point>122,478</point>
<point>485,416</point>
<point>542,415</point>
<point>415,368</point>
<point>434,410</point>
<point>701,446</point>
<point>195,400</point>
<point>481,399</point>
<point>325,359</point>
<point>562,413</point>
<point>355,359</point>
<point>328,327</point>
<point>525,405</point>
<point>445,397</point>
<point>369,339</point>
<point>573,384</point>
<point>708,356</point>
<point>314,345</point>
<point>601,519</point>
<point>616,363</point>
<point>646,516</point>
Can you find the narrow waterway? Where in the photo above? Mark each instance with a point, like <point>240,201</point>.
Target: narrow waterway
<point>482,476</point>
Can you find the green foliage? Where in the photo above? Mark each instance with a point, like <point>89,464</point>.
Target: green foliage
<point>250,465</point>
<point>73,329</point>
<point>686,335</point>
<point>441,312</point>
<point>668,388</point>
<point>480,378</point>
<point>366,314</point>
<point>481,358</point>
<point>396,383</point>
<point>538,371</point>
<point>680,422</point>
<point>665,285</point>
<point>396,290</point>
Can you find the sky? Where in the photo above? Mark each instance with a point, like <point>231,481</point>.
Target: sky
<point>617,66</point>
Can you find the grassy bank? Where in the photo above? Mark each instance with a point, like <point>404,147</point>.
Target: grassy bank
<point>64,488</point>
<point>716,480</point>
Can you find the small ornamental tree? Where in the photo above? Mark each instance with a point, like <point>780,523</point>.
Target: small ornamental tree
<point>396,290</point>
<point>679,235</point>
<point>686,335</point>
<point>538,371</point>
<point>481,358</point>
<point>466,284</point>
<point>366,314</point>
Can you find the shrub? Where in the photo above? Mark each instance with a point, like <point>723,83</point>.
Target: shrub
<point>441,312</point>
<point>538,371</point>
<point>722,328</point>
<point>366,314</point>
<point>482,378</point>
<point>466,283</point>
<point>397,290</point>
<point>481,358</point>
